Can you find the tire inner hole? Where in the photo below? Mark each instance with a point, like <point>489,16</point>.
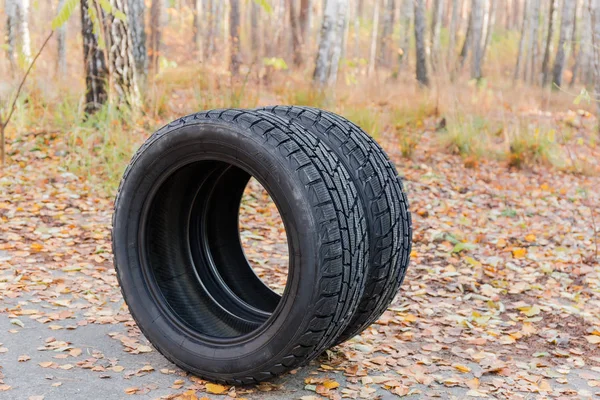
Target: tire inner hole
<point>216,249</point>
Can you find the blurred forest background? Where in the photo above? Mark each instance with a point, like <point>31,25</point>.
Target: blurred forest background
<point>510,80</point>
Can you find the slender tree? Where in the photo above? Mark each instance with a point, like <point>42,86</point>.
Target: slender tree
<point>305,20</point>
<point>255,36</point>
<point>406,14</point>
<point>532,43</point>
<point>297,39</point>
<point>594,9</point>
<point>489,27</point>
<point>135,20</point>
<point>330,35</point>
<point>373,48</point>
<point>421,51</point>
<point>121,63</point>
<point>436,28</point>
<point>337,50</point>
<point>94,62</point>
<point>198,24</point>
<point>11,31</point>
<point>477,12</point>
<point>61,48</point>
<point>234,36</point>
<point>521,55</point>
<point>155,10</point>
<point>452,32</point>
<point>548,45</point>
<point>387,31</point>
<point>464,51</point>
<point>22,14</point>
<point>564,41</point>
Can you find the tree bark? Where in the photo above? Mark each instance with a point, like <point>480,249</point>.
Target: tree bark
<point>94,62</point>
<point>198,25</point>
<point>121,63</point>
<point>255,36</point>
<point>576,42</point>
<point>11,32</point>
<point>490,27</point>
<point>406,13</point>
<point>297,41</point>
<point>61,49</point>
<point>327,37</point>
<point>521,54</point>
<point>548,45</point>
<point>234,36</point>
<point>22,19</point>
<point>387,32</point>
<point>136,21</point>
<point>373,48</point>
<point>436,28</point>
<point>464,51</point>
<point>421,52</point>
<point>532,44</point>
<point>155,10</point>
<point>564,41</point>
<point>594,6</point>
<point>338,44</point>
<point>452,33</point>
<point>476,43</point>
<point>305,18</point>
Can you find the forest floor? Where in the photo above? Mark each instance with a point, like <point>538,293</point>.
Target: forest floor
<point>502,298</point>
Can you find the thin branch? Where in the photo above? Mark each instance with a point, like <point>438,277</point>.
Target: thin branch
<point>13,106</point>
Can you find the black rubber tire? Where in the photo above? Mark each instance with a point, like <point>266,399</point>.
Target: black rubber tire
<point>386,207</point>
<point>183,186</point>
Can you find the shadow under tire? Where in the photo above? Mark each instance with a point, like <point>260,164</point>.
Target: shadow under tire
<point>385,205</point>
<point>180,263</point>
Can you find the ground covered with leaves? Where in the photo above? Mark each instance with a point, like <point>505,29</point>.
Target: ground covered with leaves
<point>502,299</point>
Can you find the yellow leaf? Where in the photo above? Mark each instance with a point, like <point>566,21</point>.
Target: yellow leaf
<point>36,247</point>
<point>530,238</point>
<point>462,368</point>
<point>215,388</point>
<point>330,384</point>
<point>519,252</point>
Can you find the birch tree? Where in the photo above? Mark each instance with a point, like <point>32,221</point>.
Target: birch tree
<point>330,41</point>
<point>489,27</point>
<point>594,9</point>
<point>121,63</point>
<point>452,32</point>
<point>61,48</point>
<point>521,53</point>
<point>436,28</point>
<point>421,51</point>
<point>135,20</point>
<point>476,43</point>
<point>155,34</point>
<point>532,42</point>
<point>198,24</point>
<point>234,36</point>
<point>11,31</point>
<point>564,41</point>
<point>548,45</point>
<point>387,31</point>
<point>406,14</point>
<point>22,17</point>
<point>373,47</point>
<point>96,72</point>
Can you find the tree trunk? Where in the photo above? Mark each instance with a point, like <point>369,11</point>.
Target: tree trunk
<point>198,24</point>
<point>94,63</point>
<point>22,18</point>
<point>452,32</point>
<point>155,10</point>
<point>136,22</point>
<point>338,44</point>
<point>548,45</point>
<point>296,34</point>
<point>490,27</point>
<point>11,30</point>
<point>329,42</point>
<point>121,64</point>
<point>387,33</point>
<point>576,42</point>
<point>61,48</point>
<point>533,45</point>
<point>373,48</point>
<point>234,36</point>
<point>521,54</point>
<point>516,17</point>
<point>436,28</point>
<point>586,52</point>
<point>255,36</point>
<point>476,43</point>
<point>464,51</point>
<point>421,51</point>
<point>564,41</point>
<point>594,6</point>
<point>406,13</point>
<point>304,18</point>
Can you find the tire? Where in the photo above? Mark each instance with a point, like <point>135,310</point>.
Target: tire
<point>178,255</point>
<point>386,207</point>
